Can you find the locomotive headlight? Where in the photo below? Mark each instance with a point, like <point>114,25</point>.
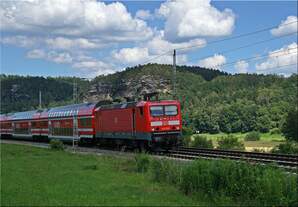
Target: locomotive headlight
<point>156,123</point>
<point>174,122</point>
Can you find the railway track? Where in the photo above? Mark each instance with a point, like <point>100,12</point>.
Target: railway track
<point>189,153</point>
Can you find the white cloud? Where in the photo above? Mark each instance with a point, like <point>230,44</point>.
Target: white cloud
<point>92,68</point>
<point>241,66</point>
<point>67,43</point>
<point>109,21</point>
<point>286,27</point>
<point>53,56</point>
<point>213,62</point>
<point>286,55</point>
<point>59,57</point>
<point>143,14</point>
<point>131,55</point>
<point>168,59</point>
<point>190,19</point>
<point>20,41</point>
<point>158,44</point>
<point>36,54</point>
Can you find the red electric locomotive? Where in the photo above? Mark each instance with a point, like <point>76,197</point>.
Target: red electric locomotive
<point>143,124</point>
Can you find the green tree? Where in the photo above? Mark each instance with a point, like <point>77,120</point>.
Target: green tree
<point>290,127</point>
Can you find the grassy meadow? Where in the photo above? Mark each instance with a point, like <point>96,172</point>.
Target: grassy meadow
<point>32,176</point>
<point>267,140</point>
<point>43,177</point>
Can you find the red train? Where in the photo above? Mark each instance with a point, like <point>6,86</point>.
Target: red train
<point>143,124</point>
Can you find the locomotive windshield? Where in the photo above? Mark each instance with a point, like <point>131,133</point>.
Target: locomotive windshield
<point>170,110</point>
<point>156,110</point>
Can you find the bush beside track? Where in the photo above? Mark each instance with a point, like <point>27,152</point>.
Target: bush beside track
<point>225,181</point>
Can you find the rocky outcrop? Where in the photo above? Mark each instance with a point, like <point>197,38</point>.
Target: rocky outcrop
<point>131,88</point>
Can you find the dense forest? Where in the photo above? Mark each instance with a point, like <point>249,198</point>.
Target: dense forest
<point>212,101</point>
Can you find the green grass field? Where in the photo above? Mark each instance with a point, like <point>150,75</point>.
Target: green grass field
<point>42,177</point>
<point>267,141</point>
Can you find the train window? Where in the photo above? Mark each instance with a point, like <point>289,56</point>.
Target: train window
<point>34,124</point>
<point>141,111</point>
<point>171,110</point>
<point>156,110</point>
<point>85,122</point>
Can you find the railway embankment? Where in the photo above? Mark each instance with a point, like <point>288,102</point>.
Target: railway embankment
<point>134,176</point>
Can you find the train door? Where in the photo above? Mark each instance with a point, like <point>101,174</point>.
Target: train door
<point>50,128</point>
<point>133,123</point>
<point>29,128</point>
<point>13,128</point>
<point>75,127</point>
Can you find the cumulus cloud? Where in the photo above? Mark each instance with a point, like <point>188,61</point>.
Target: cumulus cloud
<point>241,66</point>
<point>62,57</point>
<point>36,54</point>
<point>286,27</point>
<point>53,56</point>
<point>139,55</point>
<point>168,59</point>
<point>213,62</point>
<point>189,19</point>
<point>143,14</point>
<point>131,55</point>
<point>94,67</point>
<point>284,56</point>
<point>158,44</point>
<point>73,18</point>
<point>67,43</point>
<point>21,41</point>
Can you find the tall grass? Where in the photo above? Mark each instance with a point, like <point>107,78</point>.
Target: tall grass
<point>286,148</point>
<point>242,182</point>
<point>56,144</point>
<point>142,162</point>
<point>230,142</point>
<point>252,136</point>
<point>201,142</point>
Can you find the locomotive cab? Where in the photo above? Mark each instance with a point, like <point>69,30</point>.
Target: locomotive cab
<point>165,123</point>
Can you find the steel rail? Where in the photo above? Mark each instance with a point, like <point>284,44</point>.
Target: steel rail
<point>195,153</point>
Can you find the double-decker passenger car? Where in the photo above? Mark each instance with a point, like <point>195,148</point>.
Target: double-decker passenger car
<point>144,124</point>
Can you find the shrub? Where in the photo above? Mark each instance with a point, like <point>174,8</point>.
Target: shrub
<point>286,148</point>
<point>202,141</point>
<point>252,136</point>
<point>164,170</point>
<point>247,184</point>
<point>259,150</point>
<point>56,144</point>
<point>186,133</point>
<point>275,131</point>
<point>142,162</point>
<point>230,142</point>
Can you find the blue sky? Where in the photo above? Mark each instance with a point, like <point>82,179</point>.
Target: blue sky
<point>89,38</point>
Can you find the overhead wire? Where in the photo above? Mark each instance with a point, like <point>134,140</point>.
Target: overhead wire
<point>280,66</point>
<point>237,36</point>
<point>257,57</point>
<point>245,46</point>
<point>226,39</point>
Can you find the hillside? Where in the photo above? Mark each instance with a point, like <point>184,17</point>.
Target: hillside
<point>212,101</point>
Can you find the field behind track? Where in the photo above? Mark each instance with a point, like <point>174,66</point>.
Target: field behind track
<point>32,176</point>
<point>266,143</point>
